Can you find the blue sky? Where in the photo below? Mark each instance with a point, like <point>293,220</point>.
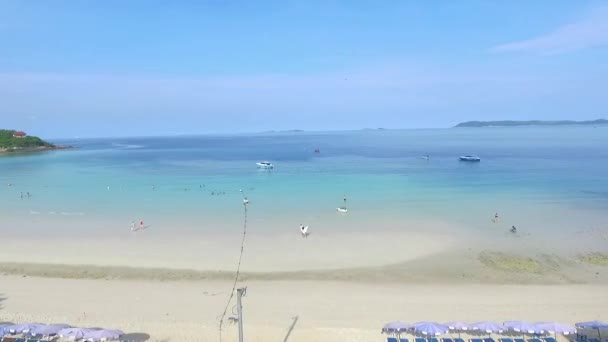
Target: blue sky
<point>119,68</point>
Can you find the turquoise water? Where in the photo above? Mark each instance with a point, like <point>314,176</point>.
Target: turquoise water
<point>524,171</point>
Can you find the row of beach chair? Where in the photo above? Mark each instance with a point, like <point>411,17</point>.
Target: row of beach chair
<point>433,339</point>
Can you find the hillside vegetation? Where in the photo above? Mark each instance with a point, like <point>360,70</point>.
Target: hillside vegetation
<point>9,142</point>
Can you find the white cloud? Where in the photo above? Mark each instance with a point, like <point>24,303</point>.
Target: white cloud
<point>589,32</point>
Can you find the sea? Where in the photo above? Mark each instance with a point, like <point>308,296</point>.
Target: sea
<point>540,179</point>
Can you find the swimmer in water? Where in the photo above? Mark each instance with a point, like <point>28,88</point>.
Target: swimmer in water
<point>245,201</point>
<point>141,225</point>
<point>495,219</point>
<point>513,229</point>
<point>304,231</point>
<point>133,226</point>
<point>344,198</point>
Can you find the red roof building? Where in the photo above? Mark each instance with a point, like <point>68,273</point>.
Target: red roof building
<point>19,134</point>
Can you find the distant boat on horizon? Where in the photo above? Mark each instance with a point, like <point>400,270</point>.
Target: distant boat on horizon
<point>265,165</point>
<point>470,158</point>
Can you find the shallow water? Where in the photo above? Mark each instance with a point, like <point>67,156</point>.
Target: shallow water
<point>538,178</point>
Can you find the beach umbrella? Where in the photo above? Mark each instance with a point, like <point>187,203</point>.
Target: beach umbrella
<point>396,328</point>
<point>593,325</point>
<point>555,328</point>
<point>48,330</point>
<point>21,328</point>
<point>431,328</point>
<point>103,335</point>
<point>74,333</point>
<point>457,326</point>
<point>489,327</point>
<point>521,326</point>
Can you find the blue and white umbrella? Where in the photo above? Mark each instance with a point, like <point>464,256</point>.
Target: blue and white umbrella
<point>521,326</point>
<point>555,328</point>
<point>74,333</point>
<point>48,330</point>
<point>396,327</point>
<point>431,328</point>
<point>103,335</point>
<point>21,328</point>
<point>489,327</point>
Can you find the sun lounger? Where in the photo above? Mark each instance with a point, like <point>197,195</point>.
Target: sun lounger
<point>535,340</point>
<point>391,339</point>
<point>458,340</point>
<point>488,339</point>
<point>549,339</point>
<point>420,339</point>
<point>476,340</point>
<point>519,340</point>
<point>433,339</point>
<point>404,340</point>
<point>506,340</point>
<point>447,340</point>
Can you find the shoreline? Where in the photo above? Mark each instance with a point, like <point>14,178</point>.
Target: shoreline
<point>485,267</point>
<point>10,151</point>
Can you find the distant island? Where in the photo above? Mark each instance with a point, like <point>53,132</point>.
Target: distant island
<point>12,141</point>
<point>510,123</point>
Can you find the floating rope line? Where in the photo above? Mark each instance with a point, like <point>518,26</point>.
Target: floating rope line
<point>238,268</point>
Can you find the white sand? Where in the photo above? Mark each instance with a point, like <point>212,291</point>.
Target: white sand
<point>279,252</point>
<point>326,311</point>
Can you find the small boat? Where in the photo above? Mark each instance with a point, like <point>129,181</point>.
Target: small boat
<point>470,158</point>
<point>265,165</point>
<point>342,210</point>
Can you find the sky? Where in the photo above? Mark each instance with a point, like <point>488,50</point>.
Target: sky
<point>141,68</point>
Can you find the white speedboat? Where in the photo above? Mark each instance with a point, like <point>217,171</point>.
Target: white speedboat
<point>342,210</point>
<point>265,165</point>
<point>470,158</point>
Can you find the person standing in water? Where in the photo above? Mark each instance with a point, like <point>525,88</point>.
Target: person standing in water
<point>513,229</point>
<point>344,198</point>
<point>495,218</point>
<point>132,226</point>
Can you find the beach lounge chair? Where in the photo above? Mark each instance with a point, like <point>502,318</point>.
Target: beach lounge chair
<point>433,339</point>
<point>506,340</point>
<point>535,340</point>
<point>404,340</point>
<point>549,339</point>
<point>519,340</point>
<point>458,340</point>
<point>447,340</point>
<point>488,339</point>
<point>420,339</point>
<point>476,340</point>
<point>391,339</point>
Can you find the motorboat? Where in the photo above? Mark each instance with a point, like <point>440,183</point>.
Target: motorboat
<point>342,210</point>
<point>470,158</point>
<point>265,165</point>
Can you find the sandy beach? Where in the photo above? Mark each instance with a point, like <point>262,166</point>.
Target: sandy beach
<point>339,287</point>
<point>325,311</point>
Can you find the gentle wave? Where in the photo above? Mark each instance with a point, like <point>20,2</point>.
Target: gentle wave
<point>127,146</point>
